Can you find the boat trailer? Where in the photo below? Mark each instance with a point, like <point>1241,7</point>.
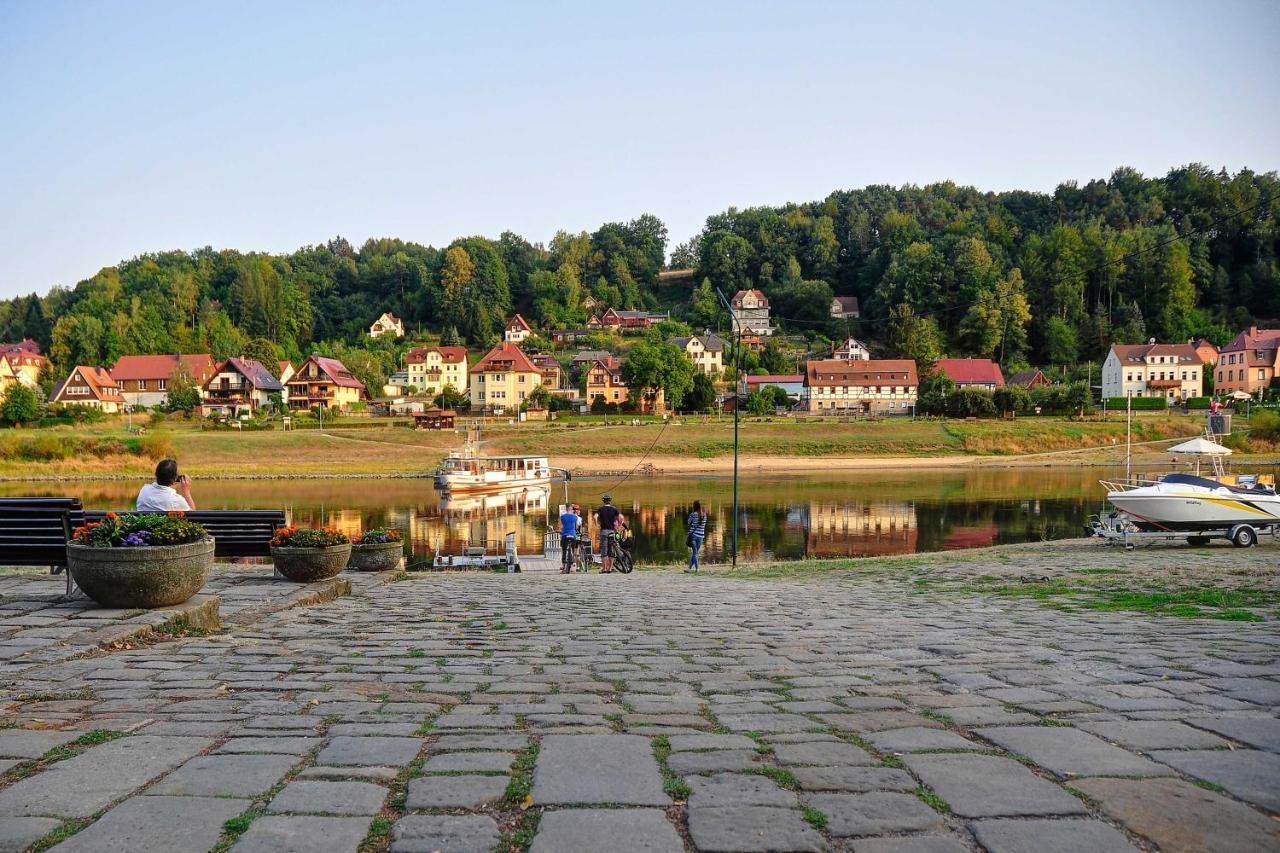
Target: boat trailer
<point>1119,529</point>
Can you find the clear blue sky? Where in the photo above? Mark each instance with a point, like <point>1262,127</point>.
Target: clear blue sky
<point>134,127</point>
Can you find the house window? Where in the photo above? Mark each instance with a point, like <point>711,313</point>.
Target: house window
<point>164,384</point>
<point>1262,374</point>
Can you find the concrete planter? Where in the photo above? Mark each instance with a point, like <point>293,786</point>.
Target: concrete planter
<point>376,557</point>
<point>149,576</point>
<point>304,565</point>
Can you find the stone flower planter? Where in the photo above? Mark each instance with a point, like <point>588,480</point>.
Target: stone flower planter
<point>376,557</point>
<point>149,576</point>
<point>304,565</point>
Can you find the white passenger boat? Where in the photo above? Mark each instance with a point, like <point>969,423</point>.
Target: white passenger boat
<point>467,470</point>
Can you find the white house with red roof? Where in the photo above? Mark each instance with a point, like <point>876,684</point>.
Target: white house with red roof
<point>387,324</point>
<point>430,369</point>
<point>517,330</point>
<point>144,379</point>
<point>972,372</point>
<point>1172,371</point>
<point>89,386</point>
<point>324,383</point>
<point>240,386</point>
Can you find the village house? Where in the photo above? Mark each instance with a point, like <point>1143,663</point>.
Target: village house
<point>585,358</point>
<point>873,387</point>
<point>553,375</point>
<point>430,369</point>
<point>706,351</point>
<point>26,345</point>
<point>844,308</point>
<point>750,309</point>
<point>397,384</point>
<point>627,321</point>
<point>387,324</point>
<point>286,372</point>
<point>850,349</point>
<point>1028,379</point>
<point>1173,371</point>
<point>144,379</point>
<point>1205,349</point>
<point>324,383</point>
<point>241,386</point>
<point>22,367</point>
<point>502,381</point>
<point>565,337</point>
<point>605,383</point>
<point>972,372</point>
<point>1250,363</point>
<point>517,330</point>
<point>92,387</point>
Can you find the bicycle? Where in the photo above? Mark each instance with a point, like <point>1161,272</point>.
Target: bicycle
<point>621,556</point>
<point>573,555</point>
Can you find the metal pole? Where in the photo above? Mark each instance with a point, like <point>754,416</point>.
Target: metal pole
<point>1128,433</point>
<point>737,406</point>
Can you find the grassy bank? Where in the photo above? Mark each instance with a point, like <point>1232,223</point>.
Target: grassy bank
<point>108,449</point>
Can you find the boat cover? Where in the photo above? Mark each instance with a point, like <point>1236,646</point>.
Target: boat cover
<point>1206,483</point>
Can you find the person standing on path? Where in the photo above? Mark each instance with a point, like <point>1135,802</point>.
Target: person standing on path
<point>607,518</point>
<point>568,539</point>
<point>697,523</point>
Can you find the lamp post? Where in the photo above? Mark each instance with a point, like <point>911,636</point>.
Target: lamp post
<point>737,406</point>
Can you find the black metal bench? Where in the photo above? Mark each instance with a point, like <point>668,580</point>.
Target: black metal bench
<point>235,532</point>
<point>35,532</point>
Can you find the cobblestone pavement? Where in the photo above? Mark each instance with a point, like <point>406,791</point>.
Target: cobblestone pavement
<point>657,712</point>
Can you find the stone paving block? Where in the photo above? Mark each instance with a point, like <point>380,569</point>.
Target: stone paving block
<point>850,815</point>
<point>989,716</point>
<point>1147,735</point>
<point>747,829</point>
<point>225,776</point>
<point>455,792</point>
<point>19,833</point>
<point>615,830</point>
<point>473,762</point>
<point>686,743</point>
<point>335,798</point>
<point>1250,774</point>
<point>444,834</point>
<point>920,740</point>
<point>385,775</point>
<point>822,754</point>
<point>737,789</point>
<point>987,786</point>
<point>1049,836</point>
<point>84,785</point>
<point>853,779</point>
<point>494,742</point>
<point>1179,816</point>
<point>1258,732</point>
<point>310,834</point>
<point>1071,752</point>
<point>768,723</point>
<point>915,844</point>
<point>22,743</point>
<point>590,769</point>
<point>172,824</point>
<point>275,745</point>
<point>717,761</point>
<point>370,751</point>
<point>875,721</point>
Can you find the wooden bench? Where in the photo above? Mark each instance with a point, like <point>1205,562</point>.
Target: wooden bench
<point>35,532</point>
<point>235,532</point>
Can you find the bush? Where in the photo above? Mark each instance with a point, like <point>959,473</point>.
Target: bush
<point>133,531</point>
<point>20,405</point>
<point>1265,425</point>
<point>156,445</point>
<point>1140,404</point>
<point>379,536</point>
<point>1012,398</point>
<point>1198,403</point>
<point>970,403</point>
<point>308,537</point>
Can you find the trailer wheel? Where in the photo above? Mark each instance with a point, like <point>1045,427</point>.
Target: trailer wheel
<point>1197,541</point>
<point>1244,536</point>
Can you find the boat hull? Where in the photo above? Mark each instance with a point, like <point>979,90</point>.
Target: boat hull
<point>1191,511</point>
<point>468,482</point>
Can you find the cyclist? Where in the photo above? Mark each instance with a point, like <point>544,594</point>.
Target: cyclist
<point>568,538</point>
<point>607,517</point>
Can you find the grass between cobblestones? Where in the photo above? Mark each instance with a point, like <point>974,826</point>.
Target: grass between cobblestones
<point>672,785</point>
<point>90,738</point>
<point>813,816</point>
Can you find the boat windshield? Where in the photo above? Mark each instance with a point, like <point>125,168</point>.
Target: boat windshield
<point>1206,483</point>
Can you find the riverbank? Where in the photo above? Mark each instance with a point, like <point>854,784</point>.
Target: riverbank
<point>682,447</point>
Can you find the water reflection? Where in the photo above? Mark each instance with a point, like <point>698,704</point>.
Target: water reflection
<point>854,515</point>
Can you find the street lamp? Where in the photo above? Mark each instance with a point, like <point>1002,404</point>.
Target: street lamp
<point>737,406</point>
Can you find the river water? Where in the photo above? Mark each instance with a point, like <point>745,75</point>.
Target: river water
<point>781,517</point>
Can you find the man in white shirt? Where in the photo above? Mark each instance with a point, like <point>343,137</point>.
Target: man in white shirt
<point>161,496</point>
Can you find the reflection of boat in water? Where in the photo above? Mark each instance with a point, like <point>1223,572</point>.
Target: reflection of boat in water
<point>514,501</point>
<point>467,470</point>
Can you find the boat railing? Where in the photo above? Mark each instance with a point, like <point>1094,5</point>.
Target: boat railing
<point>1127,483</point>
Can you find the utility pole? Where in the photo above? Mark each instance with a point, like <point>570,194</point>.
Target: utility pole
<point>1128,433</point>
<point>737,407</point>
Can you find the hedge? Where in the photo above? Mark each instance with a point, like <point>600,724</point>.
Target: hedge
<point>1198,402</point>
<point>1140,404</point>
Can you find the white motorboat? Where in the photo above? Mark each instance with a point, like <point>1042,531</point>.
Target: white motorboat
<point>467,470</point>
<point>1191,502</point>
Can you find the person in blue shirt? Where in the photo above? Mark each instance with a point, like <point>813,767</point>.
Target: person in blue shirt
<point>697,523</point>
<point>569,523</point>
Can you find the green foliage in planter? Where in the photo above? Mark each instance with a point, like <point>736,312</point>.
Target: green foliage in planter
<point>139,530</point>
<point>308,537</point>
<point>379,536</point>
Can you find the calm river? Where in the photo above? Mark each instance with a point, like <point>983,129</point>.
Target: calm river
<point>847,515</point>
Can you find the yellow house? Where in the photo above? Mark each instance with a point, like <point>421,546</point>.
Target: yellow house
<point>706,351</point>
<point>92,387</point>
<point>324,382</point>
<point>605,383</point>
<point>432,368</point>
<point>503,379</point>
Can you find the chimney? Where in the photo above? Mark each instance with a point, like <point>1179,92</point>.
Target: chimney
<point>1252,331</point>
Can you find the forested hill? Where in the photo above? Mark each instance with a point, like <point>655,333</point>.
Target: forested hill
<point>1025,277</point>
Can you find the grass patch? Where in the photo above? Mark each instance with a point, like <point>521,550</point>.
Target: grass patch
<point>892,761</point>
<point>517,793</point>
<point>930,714</point>
<point>672,785</point>
<point>781,776</point>
<point>60,834</point>
<point>1208,786</point>
<point>240,823</point>
<point>417,653</point>
<point>520,836</point>
<point>499,626</point>
<point>1237,616</point>
<point>814,817</point>
<point>932,800</point>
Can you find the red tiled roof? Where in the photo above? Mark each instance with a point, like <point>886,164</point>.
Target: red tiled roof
<point>972,371</point>
<point>511,358</point>
<point>25,345</point>
<point>104,386</point>
<point>131,367</point>
<point>1254,338</point>
<point>1138,352</point>
<point>838,372</point>
<point>743,294</point>
<point>518,322</point>
<point>449,355</point>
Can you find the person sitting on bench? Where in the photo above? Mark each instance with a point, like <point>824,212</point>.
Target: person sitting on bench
<point>161,496</point>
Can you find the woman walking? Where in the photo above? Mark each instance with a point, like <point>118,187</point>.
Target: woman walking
<point>697,523</point>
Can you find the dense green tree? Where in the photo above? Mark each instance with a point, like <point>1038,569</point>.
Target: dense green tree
<point>702,394</point>
<point>20,405</point>
<point>651,366</point>
<point>914,337</point>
